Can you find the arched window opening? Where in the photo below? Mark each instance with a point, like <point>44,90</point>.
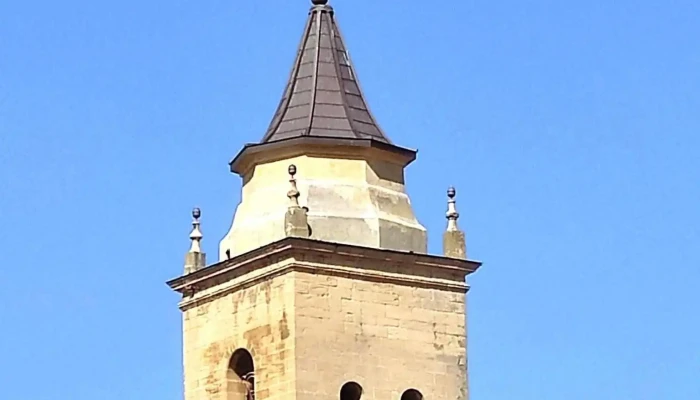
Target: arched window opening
<point>412,394</point>
<point>351,391</point>
<point>242,369</point>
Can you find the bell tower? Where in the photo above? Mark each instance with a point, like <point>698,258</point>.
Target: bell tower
<point>323,287</point>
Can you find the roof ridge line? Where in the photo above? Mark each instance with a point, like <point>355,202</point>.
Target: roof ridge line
<point>291,83</point>
<point>343,95</point>
<point>351,67</point>
<point>317,56</point>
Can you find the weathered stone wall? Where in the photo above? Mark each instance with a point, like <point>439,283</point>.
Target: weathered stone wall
<point>259,318</point>
<point>314,323</point>
<point>386,337</point>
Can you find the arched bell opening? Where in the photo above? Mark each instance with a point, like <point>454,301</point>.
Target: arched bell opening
<point>412,394</point>
<point>240,376</point>
<point>351,391</point>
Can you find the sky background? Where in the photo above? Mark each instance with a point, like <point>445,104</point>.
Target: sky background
<point>570,129</point>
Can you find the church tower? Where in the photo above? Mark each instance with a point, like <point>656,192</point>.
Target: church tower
<point>323,287</point>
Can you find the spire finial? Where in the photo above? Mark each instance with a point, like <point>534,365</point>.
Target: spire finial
<point>452,214</point>
<point>454,243</point>
<point>195,259</point>
<point>196,234</point>
<point>295,220</point>
<point>319,2</point>
<point>293,192</point>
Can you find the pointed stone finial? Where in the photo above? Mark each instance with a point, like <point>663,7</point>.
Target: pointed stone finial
<point>452,214</point>
<point>295,220</point>
<point>195,259</point>
<point>196,234</point>
<point>453,241</point>
<point>293,193</point>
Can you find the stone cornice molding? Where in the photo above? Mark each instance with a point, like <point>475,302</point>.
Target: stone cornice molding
<point>313,256</point>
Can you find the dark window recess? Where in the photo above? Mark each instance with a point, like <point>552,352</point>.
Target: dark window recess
<point>412,394</point>
<point>241,363</point>
<point>351,391</point>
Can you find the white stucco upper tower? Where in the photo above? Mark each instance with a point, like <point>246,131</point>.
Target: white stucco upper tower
<point>350,175</point>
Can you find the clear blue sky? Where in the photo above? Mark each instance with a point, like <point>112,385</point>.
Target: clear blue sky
<point>571,130</point>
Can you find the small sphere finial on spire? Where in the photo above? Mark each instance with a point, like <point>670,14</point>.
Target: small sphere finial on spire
<point>451,192</point>
<point>319,2</point>
<point>295,220</point>
<point>195,259</point>
<point>293,192</point>
<point>196,234</point>
<point>452,214</point>
<point>454,243</point>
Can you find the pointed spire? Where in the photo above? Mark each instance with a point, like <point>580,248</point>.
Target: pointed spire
<point>195,259</point>
<point>295,220</point>
<point>453,241</point>
<point>323,96</point>
<point>322,103</point>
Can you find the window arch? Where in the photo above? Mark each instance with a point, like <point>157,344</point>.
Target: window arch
<point>240,376</point>
<point>412,394</point>
<point>351,391</point>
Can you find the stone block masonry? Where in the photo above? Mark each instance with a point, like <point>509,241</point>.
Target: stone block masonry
<point>387,337</point>
<point>328,292</point>
<point>316,315</point>
<point>259,319</point>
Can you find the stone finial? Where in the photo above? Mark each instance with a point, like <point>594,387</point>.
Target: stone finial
<point>295,220</point>
<point>453,241</point>
<point>195,258</point>
<point>293,193</point>
<point>196,234</point>
<point>452,214</point>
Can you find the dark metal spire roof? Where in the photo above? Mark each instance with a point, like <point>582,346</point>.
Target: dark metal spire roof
<point>323,96</point>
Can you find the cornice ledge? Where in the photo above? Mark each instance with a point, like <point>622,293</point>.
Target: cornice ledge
<point>256,153</point>
<point>252,259</point>
<point>310,246</point>
<point>349,272</point>
<point>307,249</point>
<point>384,277</point>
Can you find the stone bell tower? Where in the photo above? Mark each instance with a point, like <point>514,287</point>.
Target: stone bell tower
<point>324,288</point>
